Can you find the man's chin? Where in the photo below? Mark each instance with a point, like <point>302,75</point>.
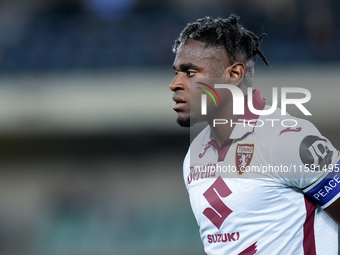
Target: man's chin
<point>186,121</point>
<point>183,122</point>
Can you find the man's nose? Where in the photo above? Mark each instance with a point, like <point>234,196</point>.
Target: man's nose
<point>178,82</point>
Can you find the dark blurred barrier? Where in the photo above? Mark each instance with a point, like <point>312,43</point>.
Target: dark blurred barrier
<point>65,35</point>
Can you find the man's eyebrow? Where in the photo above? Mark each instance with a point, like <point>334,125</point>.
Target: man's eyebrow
<point>186,66</point>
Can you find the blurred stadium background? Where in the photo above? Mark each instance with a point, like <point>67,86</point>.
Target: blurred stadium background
<point>90,152</point>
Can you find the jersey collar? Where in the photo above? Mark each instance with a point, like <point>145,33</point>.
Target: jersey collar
<point>242,128</point>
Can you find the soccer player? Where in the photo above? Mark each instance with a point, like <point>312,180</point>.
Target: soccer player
<point>259,182</point>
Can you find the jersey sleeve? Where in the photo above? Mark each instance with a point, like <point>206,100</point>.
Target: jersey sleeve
<point>186,168</point>
<point>312,159</point>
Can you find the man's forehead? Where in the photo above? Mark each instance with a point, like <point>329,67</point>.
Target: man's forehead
<point>191,43</point>
<point>193,49</point>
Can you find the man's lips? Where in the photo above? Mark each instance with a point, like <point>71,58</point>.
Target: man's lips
<point>179,103</point>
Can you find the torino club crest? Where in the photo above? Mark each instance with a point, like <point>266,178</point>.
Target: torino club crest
<point>244,155</point>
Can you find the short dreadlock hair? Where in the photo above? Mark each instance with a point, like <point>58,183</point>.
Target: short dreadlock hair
<point>239,43</point>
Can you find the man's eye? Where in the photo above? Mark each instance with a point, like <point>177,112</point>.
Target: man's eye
<point>190,73</point>
<point>175,72</point>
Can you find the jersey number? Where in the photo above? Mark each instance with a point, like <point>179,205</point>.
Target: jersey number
<point>219,211</point>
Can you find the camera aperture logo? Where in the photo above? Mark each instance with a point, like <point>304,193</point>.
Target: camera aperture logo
<point>204,97</point>
<point>239,103</point>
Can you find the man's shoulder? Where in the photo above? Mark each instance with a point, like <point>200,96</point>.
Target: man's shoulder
<point>282,127</point>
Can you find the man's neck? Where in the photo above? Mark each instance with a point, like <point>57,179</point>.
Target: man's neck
<point>221,133</point>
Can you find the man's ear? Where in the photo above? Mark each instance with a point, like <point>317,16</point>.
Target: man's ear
<point>235,73</point>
